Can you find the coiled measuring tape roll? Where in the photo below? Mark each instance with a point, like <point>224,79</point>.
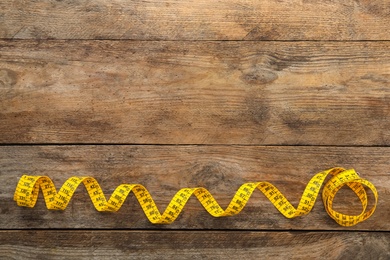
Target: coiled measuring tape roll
<point>27,191</point>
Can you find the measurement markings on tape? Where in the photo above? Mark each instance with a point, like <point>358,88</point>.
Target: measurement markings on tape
<point>27,190</point>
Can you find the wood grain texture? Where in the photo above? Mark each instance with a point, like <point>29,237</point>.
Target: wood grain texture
<point>261,93</point>
<point>210,93</point>
<point>196,20</point>
<point>163,170</point>
<point>193,244</point>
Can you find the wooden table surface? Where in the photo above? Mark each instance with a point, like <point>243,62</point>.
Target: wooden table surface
<point>174,94</point>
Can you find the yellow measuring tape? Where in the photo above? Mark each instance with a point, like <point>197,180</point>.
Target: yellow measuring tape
<point>27,191</point>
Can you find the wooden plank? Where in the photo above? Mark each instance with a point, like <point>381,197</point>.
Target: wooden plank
<point>306,93</point>
<point>196,20</point>
<point>163,170</point>
<point>193,244</point>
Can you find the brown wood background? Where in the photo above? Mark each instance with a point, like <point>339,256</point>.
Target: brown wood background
<point>174,94</point>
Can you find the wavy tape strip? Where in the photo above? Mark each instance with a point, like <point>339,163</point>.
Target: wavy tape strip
<point>27,191</point>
